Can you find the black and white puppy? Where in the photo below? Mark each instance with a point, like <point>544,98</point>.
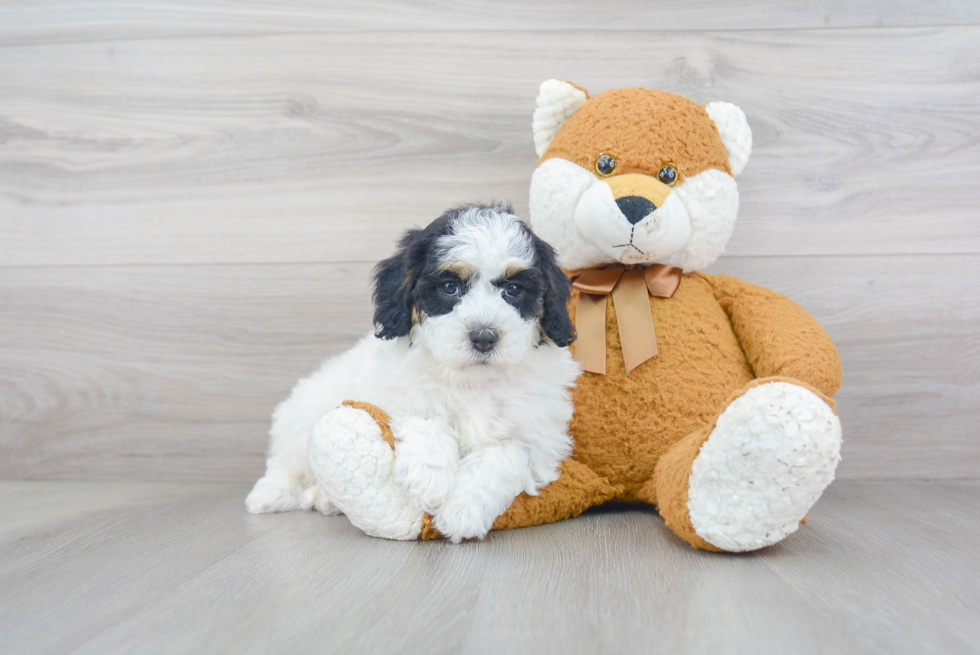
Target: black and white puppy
<point>468,358</point>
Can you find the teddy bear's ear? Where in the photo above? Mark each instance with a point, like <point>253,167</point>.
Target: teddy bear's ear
<point>735,133</point>
<point>557,101</point>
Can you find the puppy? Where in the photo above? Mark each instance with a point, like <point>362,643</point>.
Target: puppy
<point>469,359</point>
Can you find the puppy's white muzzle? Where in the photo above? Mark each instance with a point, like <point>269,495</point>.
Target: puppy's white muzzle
<point>482,336</point>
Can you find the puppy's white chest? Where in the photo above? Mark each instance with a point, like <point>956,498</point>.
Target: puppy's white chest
<point>481,420</point>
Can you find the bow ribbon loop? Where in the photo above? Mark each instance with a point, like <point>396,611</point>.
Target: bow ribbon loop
<point>630,288</point>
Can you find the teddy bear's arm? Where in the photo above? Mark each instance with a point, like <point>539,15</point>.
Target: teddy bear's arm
<point>778,336</point>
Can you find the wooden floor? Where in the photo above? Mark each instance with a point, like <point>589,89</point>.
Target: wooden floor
<point>106,567</point>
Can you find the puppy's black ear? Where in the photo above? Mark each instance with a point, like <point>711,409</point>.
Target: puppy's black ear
<point>555,320</point>
<point>394,281</point>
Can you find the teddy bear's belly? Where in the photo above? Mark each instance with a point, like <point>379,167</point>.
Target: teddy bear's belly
<point>623,424</point>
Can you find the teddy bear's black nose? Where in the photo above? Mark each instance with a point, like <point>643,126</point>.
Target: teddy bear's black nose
<point>483,339</point>
<point>635,208</point>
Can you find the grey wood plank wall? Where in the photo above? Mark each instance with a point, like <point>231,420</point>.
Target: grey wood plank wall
<point>191,199</point>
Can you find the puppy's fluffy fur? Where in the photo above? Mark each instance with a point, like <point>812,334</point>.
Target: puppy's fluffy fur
<point>469,358</point>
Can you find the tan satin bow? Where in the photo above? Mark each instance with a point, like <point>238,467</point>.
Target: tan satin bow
<point>629,286</point>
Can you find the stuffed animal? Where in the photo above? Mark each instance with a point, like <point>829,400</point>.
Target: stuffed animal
<point>703,395</point>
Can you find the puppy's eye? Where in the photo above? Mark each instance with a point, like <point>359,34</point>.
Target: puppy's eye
<point>449,288</point>
<point>513,290</point>
<point>668,175</point>
<point>605,165</point>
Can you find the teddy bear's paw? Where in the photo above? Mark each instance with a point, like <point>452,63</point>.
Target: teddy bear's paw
<point>466,515</point>
<point>353,465</point>
<point>314,498</point>
<point>426,459</point>
<point>274,493</point>
<point>771,454</point>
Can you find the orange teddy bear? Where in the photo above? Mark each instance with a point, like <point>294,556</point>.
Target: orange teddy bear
<point>703,395</point>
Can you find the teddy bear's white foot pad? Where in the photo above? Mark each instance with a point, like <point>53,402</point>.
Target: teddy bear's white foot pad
<point>354,466</point>
<point>771,454</point>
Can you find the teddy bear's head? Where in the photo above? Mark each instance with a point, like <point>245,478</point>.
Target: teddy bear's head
<point>635,176</point>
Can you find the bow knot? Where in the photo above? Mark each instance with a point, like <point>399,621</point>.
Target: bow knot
<point>629,287</point>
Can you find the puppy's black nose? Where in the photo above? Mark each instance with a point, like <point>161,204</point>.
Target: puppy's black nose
<point>483,339</point>
<point>635,208</point>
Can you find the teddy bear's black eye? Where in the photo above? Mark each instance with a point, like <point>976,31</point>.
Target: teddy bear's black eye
<point>449,288</point>
<point>513,290</point>
<point>605,165</point>
<point>668,175</point>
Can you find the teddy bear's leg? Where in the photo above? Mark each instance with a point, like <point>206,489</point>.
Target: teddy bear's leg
<point>748,480</point>
<point>353,459</point>
<point>577,489</point>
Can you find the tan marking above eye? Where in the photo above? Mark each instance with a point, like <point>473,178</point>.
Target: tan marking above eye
<point>462,269</point>
<point>513,269</point>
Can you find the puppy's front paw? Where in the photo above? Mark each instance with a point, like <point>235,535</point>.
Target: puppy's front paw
<point>465,516</point>
<point>426,459</point>
<point>427,479</point>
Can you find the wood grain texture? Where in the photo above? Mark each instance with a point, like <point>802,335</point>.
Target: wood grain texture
<point>58,21</point>
<point>171,372</point>
<point>322,147</point>
<point>191,198</point>
<point>162,372</point>
<point>881,567</point>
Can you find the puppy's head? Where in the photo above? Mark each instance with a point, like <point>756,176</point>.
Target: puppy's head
<point>476,288</point>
